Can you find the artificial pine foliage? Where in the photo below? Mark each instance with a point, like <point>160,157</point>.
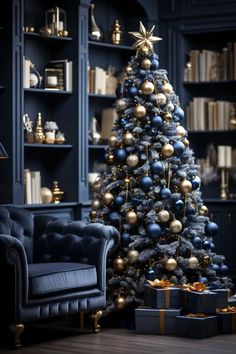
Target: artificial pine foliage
<point>151,190</point>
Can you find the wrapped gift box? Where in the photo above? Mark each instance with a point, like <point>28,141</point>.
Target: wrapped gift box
<point>196,327</point>
<point>226,322</point>
<point>222,297</point>
<point>155,321</point>
<point>161,298</point>
<point>199,302</point>
<point>232,301</point>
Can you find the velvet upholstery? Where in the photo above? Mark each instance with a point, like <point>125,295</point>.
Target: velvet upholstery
<point>51,267</point>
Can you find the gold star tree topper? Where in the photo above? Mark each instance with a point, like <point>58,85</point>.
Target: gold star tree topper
<point>144,38</point>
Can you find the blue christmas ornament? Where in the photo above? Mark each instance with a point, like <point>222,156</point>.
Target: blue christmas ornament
<point>178,115</point>
<point>165,193</point>
<point>150,274</point>
<point>123,121</point>
<point>133,91</point>
<point>206,245</point>
<point>120,155</point>
<point>212,246</point>
<point>178,205</point>
<point>125,237</point>
<point>195,183</point>
<point>197,242</point>
<point>153,230</point>
<point>146,183</point>
<point>155,64</point>
<point>224,270</point>
<point>211,229</point>
<point>119,200</point>
<point>178,148</point>
<point>216,268</point>
<point>190,210</point>
<point>114,217</point>
<point>203,280</point>
<point>157,121</point>
<point>156,167</point>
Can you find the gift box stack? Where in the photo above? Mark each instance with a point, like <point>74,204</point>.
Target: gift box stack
<point>191,310</point>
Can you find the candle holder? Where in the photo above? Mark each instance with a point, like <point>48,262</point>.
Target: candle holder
<point>224,187</point>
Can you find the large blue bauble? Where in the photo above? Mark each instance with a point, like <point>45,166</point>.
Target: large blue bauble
<point>153,230</point>
<point>216,268</point>
<point>123,121</point>
<point>178,115</point>
<point>224,270</point>
<point>190,210</point>
<point>119,200</point>
<point>195,183</point>
<point>203,280</point>
<point>197,242</point>
<point>211,229</point>
<point>150,274</point>
<point>178,205</point>
<point>146,183</point>
<point>133,91</point>
<point>125,237</point>
<point>165,193</point>
<point>156,167</point>
<point>178,148</point>
<point>155,64</point>
<point>114,217</point>
<point>120,155</point>
<point>206,245</point>
<point>157,121</point>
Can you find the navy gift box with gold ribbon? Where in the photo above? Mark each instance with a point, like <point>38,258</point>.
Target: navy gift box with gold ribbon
<point>155,321</point>
<point>222,297</point>
<point>196,327</point>
<point>161,298</point>
<point>199,302</point>
<point>226,322</point>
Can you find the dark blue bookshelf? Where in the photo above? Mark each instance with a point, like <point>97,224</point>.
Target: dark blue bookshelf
<point>98,146</point>
<point>39,36</point>
<point>109,46</point>
<point>48,146</point>
<point>47,92</point>
<point>95,95</point>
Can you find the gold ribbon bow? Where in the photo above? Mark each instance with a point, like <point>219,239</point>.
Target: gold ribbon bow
<point>197,286</point>
<point>196,315</point>
<point>227,309</point>
<point>160,283</point>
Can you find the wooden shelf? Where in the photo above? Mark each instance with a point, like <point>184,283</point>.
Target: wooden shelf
<point>98,146</point>
<point>207,83</point>
<point>96,95</point>
<point>50,205</point>
<point>34,35</point>
<point>48,146</point>
<point>109,45</point>
<point>50,92</point>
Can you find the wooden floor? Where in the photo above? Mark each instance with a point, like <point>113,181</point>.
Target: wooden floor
<point>112,341</point>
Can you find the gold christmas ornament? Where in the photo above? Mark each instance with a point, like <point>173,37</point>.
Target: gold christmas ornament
<point>167,88</point>
<point>206,260</point>
<point>144,38</point>
<point>113,140</point>
<point>175,226</point>
<point>119,264</point>
<point>95,204</point>
<point>186,142</point>
<point>147,87</point>
<point>131,217</point>
<point>163,216</point>
<point>97,185</point>
<point>161,99</point>
<point>144,50</point>
<point>139,111</point>
<point>181,131</point>
<point>107,198</point>
<point>146,63</point>
<point>110,158</point>
<point>120,303</point>
<point>193,262</point>
<point>185,186</point>
<point>133,256</point>
<point>93,214</point>
<point>46,195</point>
<point>168,117</point>
<point>128,138</point>
<point>167,150</point>
<point>132,160</point>
<point>128,69</point>
<point>170,264</point>
<point>121,104</point>
<point>170,106</point>
<point>203,210</point>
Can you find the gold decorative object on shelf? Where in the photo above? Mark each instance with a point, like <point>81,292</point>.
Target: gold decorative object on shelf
<point>46,195</point>
<point>28,128</point>
<point>57,193</point>
<point>56,22</point>
<point>116,33</point>
<point>45,31</point>
<point>60,138</point>
<point>224,164</point>
<point>39,136</point>
<point>29,29</point>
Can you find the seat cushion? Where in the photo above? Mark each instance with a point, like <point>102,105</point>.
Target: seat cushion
<point>52,278</point>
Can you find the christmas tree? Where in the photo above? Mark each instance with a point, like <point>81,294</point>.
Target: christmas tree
<point>151,192</point>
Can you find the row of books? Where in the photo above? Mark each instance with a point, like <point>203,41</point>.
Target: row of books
<point>205,113</point>
<point>209,65</point>
<point>101,81</point>
<point>32,181</point>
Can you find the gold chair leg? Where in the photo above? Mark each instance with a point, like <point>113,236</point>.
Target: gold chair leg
<point>96,317</point>
<point>17,330</point>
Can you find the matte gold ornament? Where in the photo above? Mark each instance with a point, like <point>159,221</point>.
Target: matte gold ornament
<point>186,142</point>
<point>133,256</point>
<point>95,204</point>
<point>132,160</point>
<point>168,117</point>
<point>110,158</point>
<point>107,198</point>
<point>144,39</point>
<point>161,99</point>
<point>146,63</point>
<point>139,111</point>
<point>181,131</point>
<point>120,303</point>
<point>167,150</point>
<point>46,195</point>
<point>185,186</point>
<point>128,138</point>
<point>119,264</point>
<point>131,217</point>
<point>121,104</point>
<point>175,226</point>
<point>167,88</point>
<point>193,262</point>
<point>129,69</point>
<point>203,210</point>
<point>93,214</point>
<point>170,264</point>
<point>113,140</point>
<point>163,216</point>
<point>147,87</point>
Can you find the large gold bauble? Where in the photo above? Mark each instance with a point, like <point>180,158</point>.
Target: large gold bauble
<point>110,158</point>
<point>131,217</point>
<point>139,111</point>
<point>132,160</point>
<point>120,303</point>
<point>170,264</point>
<point>185,186</point>
<point>119,265</point>
<point>129,69</point>
<point>193,262</point>
<point>121,104</point>
<point>133,256</point>
<point>112,140</point>
<point>180,130</point>
<point>203,210</point>
<point>167,88</point>
<point>147,87</point>
<point>163,216</point>
<point>107,198</point>
<point>175,226</point>
<point>95,204</point>
<point>167,150</point>
<point>128,138</point>
<point>146,63</point>
<point>46,195</point>
<point>186,142</point>
<point>161,99</point>
<point>93,214</point>
<point>168,117</point>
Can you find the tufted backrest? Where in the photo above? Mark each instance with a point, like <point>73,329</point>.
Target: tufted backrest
<point>18,223</point>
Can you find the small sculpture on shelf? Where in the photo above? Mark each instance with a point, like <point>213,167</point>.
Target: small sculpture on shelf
<point>46,195</point>
<point>29,29</point>
<point>116,33</point>
<point>28,128</point>
<point>95,135</point>
<point>55,22</point>
<point>39,136</point>
<point>35,79</point>
<point>95,33</point>
<point>50,128</point>
<point>57,193</point>
<point>224,165</point>
<point>60,138</point>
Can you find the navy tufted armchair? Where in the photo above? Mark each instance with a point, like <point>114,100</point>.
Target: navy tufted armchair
<point>49,267</point>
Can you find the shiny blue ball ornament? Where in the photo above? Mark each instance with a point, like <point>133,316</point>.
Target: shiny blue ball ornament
<point>123,121</point>
<point>154,64</point>
<point>125,238</point>
<point>150,274</point>
<point>216,268</point>
<point>146,183</point>
<point>212,246</point>
<point>156,167</point>
<point>119,200</point>
<point>114,217</point>
<point>179,148</point>
<point>197,241</point>
<point>190,210</point>
<point>206,245</point>
<point>133,91</point>
<point>224,270</point>
<point>211,229</point>
<point>203,280</point>
<point>153,231</point>
<point>195,183</point>
<point>165,193</point>
<point>157,121</point>
<point>178,115</point>
<point>178,205</point>
<point>120,155</point>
